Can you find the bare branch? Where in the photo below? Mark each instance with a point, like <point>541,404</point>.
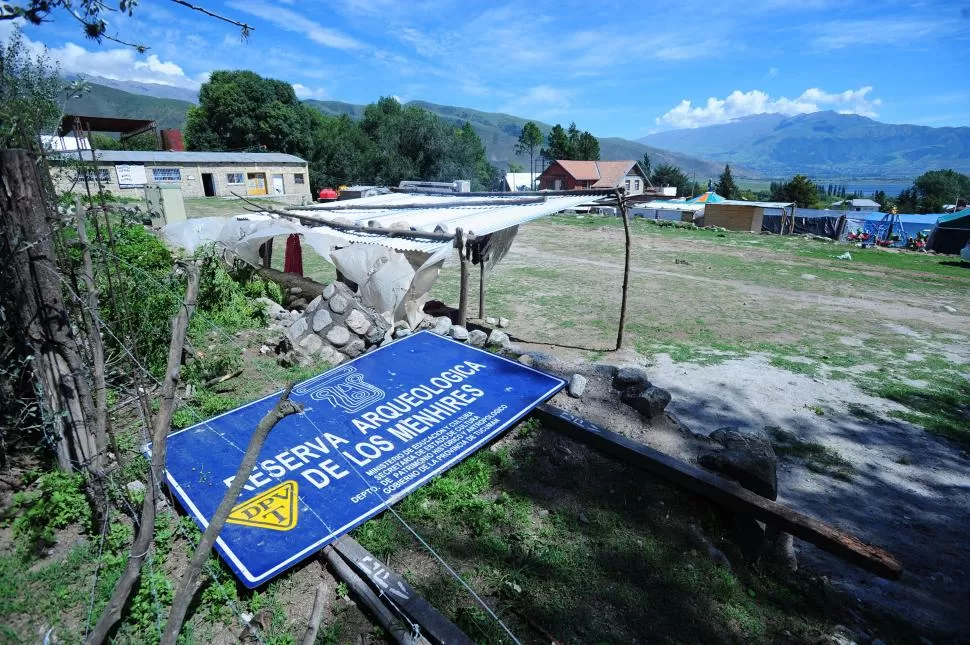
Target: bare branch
<point>245,28</point>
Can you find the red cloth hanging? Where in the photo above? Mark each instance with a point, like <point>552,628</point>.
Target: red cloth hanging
<point>293,260</point>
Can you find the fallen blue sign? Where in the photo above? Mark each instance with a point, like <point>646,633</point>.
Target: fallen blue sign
<point>372,430</point>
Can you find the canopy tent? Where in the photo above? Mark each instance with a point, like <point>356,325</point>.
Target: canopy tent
<point>951,232</point>
<point>710,197</point>
<point>880,225</point>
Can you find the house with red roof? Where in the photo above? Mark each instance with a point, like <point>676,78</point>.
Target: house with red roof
<point>567,174</point>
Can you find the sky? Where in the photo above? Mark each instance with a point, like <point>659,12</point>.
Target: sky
<point>615,68</point>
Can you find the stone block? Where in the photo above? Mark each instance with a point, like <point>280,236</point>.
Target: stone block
<point>649,402</point>
<point>631,376</point>
<point>503,322</point>
<point>577,385</point>
<point>459,333</point>
<point>339,303</point>
<point>477,338</point>
<point>498,338</point>
<point>321,320</point>
<point>338,336</point>
<point>491,321</point>
<point>356,321</point>
<point>442,326</point>
<point>401,332</point>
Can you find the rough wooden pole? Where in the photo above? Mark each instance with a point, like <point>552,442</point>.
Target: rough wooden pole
<point>626,269</point>
<point>463,293</point>
<point>190,579</point>
<point>316,615</point>
<point>481,289</point>
<point>146,526</point>
<point>95,341</point>
<point>31,298</point>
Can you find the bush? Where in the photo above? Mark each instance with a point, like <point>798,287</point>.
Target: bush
<point>57,500</point>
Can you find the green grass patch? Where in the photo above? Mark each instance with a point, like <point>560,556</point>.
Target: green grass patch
<point>816,457</point>
<point>943,408</point>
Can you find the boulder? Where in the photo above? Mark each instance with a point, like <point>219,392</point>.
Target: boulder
<point>273,309</point>
<point>631,376</point>
<point>321,320</point>
<point>374,334</point>
<point>356,321</point>
<point>503,322</point>
<point>459,333</point>
<point>311,344</point>
<point>442,326</point>
<point>329,291</point>
<point>747,457</point>
<point>339,303</point>
<point>338,336</point>
<point>577,385</point>
<point>477,338</point>
<point>650,402</point>
<point>491,321</point>
<point>355,348</point>
<point>497,338</point>
<point>297,329</point>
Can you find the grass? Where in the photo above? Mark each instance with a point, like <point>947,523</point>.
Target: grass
<point>817,457</point>
<point>942,408</point>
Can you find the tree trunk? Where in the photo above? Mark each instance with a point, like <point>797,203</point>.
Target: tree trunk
<point>32,302</point>
<point>146,526</point>
<point>626,269</point>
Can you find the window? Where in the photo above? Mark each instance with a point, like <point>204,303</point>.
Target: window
<point>636,184</point>
<point>235,178</point>
<point>166,174</point>
<point>627,184</point>
<point>102,175</point>
<point>298,178</point>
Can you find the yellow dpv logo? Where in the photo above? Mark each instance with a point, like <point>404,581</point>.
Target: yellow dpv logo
<point>275,509</point>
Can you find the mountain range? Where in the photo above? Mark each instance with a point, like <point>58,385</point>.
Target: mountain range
<point>499,132</point>
<point>823,145</point>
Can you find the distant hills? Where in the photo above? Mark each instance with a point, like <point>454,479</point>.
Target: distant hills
<point>499,132</point>
<point>823,145</point>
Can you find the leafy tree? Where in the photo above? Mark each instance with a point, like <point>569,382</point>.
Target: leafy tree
<point>558,144</point>
<point>799,190</point>
<point>587,147</point>
<point>725,186</point>
<point>670,175</point>
<point>529,141</point>
<point>240,110</point>
<point>143,141</point>
<point>29,88</point>
<point>515,166</point>
<point>932,190</point>
<point>341,153</point>
<point>645,164</point>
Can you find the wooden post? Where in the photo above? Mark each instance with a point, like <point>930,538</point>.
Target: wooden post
<point>463,293</point>
<point>31,298</point>
<point>481,289</point>
<point>626,269</point>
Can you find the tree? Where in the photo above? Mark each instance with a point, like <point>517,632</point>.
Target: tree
<point>726,187</point>
<point>933,189</point>
<point>143,141</point>
<point>240,110</point>
<point>558,144</point>
<point>669,175</point>
<point>515,166</point>
<point>29,88</point>
<point>89,13</point>
<point>587,147</point>
<point>530,138</point>
<point>645,164</point>
<point>799,190</point>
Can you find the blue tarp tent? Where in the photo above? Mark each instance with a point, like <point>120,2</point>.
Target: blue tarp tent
<point>951,232</point>
<point>881,225</point>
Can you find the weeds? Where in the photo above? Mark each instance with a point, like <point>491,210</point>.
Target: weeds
<point>57,500</point>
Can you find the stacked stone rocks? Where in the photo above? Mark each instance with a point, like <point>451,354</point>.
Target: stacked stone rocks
<point>336,326</point>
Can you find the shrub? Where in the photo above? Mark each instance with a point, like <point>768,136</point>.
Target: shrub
<point>56,501</point>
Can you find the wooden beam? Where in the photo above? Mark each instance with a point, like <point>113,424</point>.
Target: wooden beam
<point>481,289</point>
<point>392,586</point>
<point>463,291</point>
<point>722,491</point>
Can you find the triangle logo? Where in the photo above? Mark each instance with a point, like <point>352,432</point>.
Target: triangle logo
<point>275,509</point>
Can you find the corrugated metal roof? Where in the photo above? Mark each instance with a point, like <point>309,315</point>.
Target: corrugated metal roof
<point>474,214</point>
<point>741,202</point>
<point>661,205</point>
<point>163,156</point>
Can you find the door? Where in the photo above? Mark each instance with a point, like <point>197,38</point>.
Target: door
<point>208,186</point>
<point>278,184</point>
<point>256,183</point>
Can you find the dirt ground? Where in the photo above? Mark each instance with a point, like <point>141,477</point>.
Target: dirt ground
<point>702,307</point>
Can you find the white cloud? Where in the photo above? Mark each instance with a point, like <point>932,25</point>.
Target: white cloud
<point>740,104</point>
<point>304,92</point>
<point>895,32</point>
<point>772,71</point>
<point>297,22</point>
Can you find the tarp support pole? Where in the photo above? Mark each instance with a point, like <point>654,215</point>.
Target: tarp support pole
<point>463,263</point>
<point>626,268</point>
<point>481,289</point>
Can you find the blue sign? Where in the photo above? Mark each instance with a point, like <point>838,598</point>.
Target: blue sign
<point>372,430</point>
